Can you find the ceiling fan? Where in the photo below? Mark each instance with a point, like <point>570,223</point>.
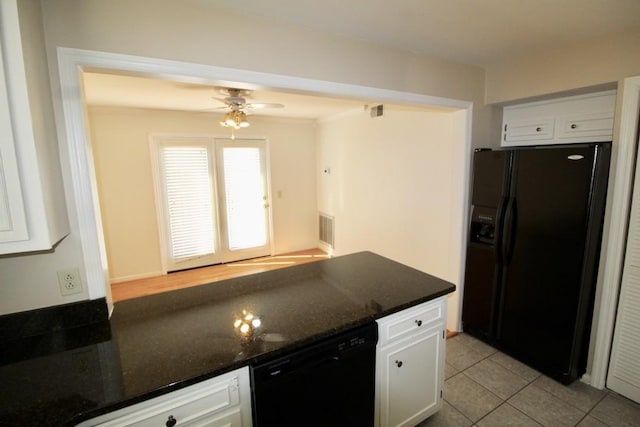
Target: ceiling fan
<point>235,101</point>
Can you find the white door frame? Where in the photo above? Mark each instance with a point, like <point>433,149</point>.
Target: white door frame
<point>621,182</point>
<point>76,157</point>
<point>76,150</point>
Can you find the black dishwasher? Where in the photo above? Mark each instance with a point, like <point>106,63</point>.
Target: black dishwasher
<point>328,383</point>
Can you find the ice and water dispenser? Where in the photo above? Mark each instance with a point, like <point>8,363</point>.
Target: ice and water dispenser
<point>483,225</point>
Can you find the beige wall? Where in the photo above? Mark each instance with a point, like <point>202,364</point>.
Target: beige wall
<point>392,187</point>
<point>195,31</point>
<point>30,280</point>
<point>120,139</point>
<point>597,62</point>
<point>198,32</point>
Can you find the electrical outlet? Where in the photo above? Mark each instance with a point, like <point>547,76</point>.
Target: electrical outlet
<point>69,281</point>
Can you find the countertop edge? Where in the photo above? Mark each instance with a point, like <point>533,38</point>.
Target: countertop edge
<point>169,388</point>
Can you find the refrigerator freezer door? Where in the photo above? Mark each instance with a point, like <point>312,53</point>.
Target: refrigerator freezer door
<point>490,170</point>
<point>547,284</point>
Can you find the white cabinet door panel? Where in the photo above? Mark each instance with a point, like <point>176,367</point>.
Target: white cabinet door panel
<point>33,214</point>
<point>410,364</point>
<point>586,126</point>
<point>13,222</point>
<point>573,119</point>
<point>535,131</point>
<point>410,380</point>
<point>221,401</point>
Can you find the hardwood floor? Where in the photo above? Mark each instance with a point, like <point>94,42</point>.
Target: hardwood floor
<point>200,276</point>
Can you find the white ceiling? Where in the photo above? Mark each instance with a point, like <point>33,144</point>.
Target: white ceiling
<point>476,32</point>
<point>470,31</point>
<point>142,92</point>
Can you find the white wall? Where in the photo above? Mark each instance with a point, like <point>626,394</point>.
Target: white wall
<point>392,184</point>
<point>30,280</point>
<point>120,139</point>
<point>198,32</point>
<point>563,68</point>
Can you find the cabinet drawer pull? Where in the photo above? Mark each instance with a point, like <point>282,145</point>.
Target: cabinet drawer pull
<point>538,129</point>
<point>399,363</point>
<point>171,421</point>
<point>419,322</point>
<point>573,126</point>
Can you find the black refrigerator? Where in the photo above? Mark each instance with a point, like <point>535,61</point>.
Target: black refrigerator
<point>533,252</point>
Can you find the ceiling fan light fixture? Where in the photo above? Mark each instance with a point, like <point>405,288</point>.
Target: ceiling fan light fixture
<point>235,119</point>
<point>242,122</point>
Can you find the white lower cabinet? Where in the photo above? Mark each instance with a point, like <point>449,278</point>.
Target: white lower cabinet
<point>221,401</point>
<point>409,377</point>
<point>410,364</point>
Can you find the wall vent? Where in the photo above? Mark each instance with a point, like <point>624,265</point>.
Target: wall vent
<point>325,228</point>
<point>376,110</point>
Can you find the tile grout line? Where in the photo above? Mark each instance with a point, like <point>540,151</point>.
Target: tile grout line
<point>531,382</point>
<point>587,412</point>
<point>605,394</point>
<point>503,401</point>
<point>473,423</point>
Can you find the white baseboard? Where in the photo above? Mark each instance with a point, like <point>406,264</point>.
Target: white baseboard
<point>121,279</point>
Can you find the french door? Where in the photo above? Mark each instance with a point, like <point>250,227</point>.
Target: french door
<point>213,199</point>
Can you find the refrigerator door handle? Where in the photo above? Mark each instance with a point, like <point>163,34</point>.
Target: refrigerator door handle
<point>510,219</point>
<point>506,245</point>
<point>499,227</point>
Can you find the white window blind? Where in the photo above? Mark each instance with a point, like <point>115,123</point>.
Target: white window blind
<point>244,197</point>
<point>189,199</point>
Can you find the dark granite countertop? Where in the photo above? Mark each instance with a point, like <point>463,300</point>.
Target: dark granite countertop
<point>160,343</point>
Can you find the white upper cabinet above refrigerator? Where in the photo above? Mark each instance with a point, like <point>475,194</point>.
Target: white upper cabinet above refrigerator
<point>581,118</point>
<point>33,214</point>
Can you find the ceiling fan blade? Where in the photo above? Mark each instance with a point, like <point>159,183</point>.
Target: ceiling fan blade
<point>213,109</point>
<point>258,106</point>
<point>223,100</point>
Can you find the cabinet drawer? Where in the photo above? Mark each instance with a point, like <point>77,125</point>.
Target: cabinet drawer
<point>585,126</point>
<point>202,404</point>
<point>529,130</point>
<point>231,418</point>
<point>573,119</point>
<point>410,321</point>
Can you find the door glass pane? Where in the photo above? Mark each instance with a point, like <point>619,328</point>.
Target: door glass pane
<point>244,197</point>
<point>189,201</point>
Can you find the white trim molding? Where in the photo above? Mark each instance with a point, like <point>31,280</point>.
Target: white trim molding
<point>71,62</point>
<point>621,182</point>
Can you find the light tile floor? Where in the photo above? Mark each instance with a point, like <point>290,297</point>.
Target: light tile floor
<point>484,387</point>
